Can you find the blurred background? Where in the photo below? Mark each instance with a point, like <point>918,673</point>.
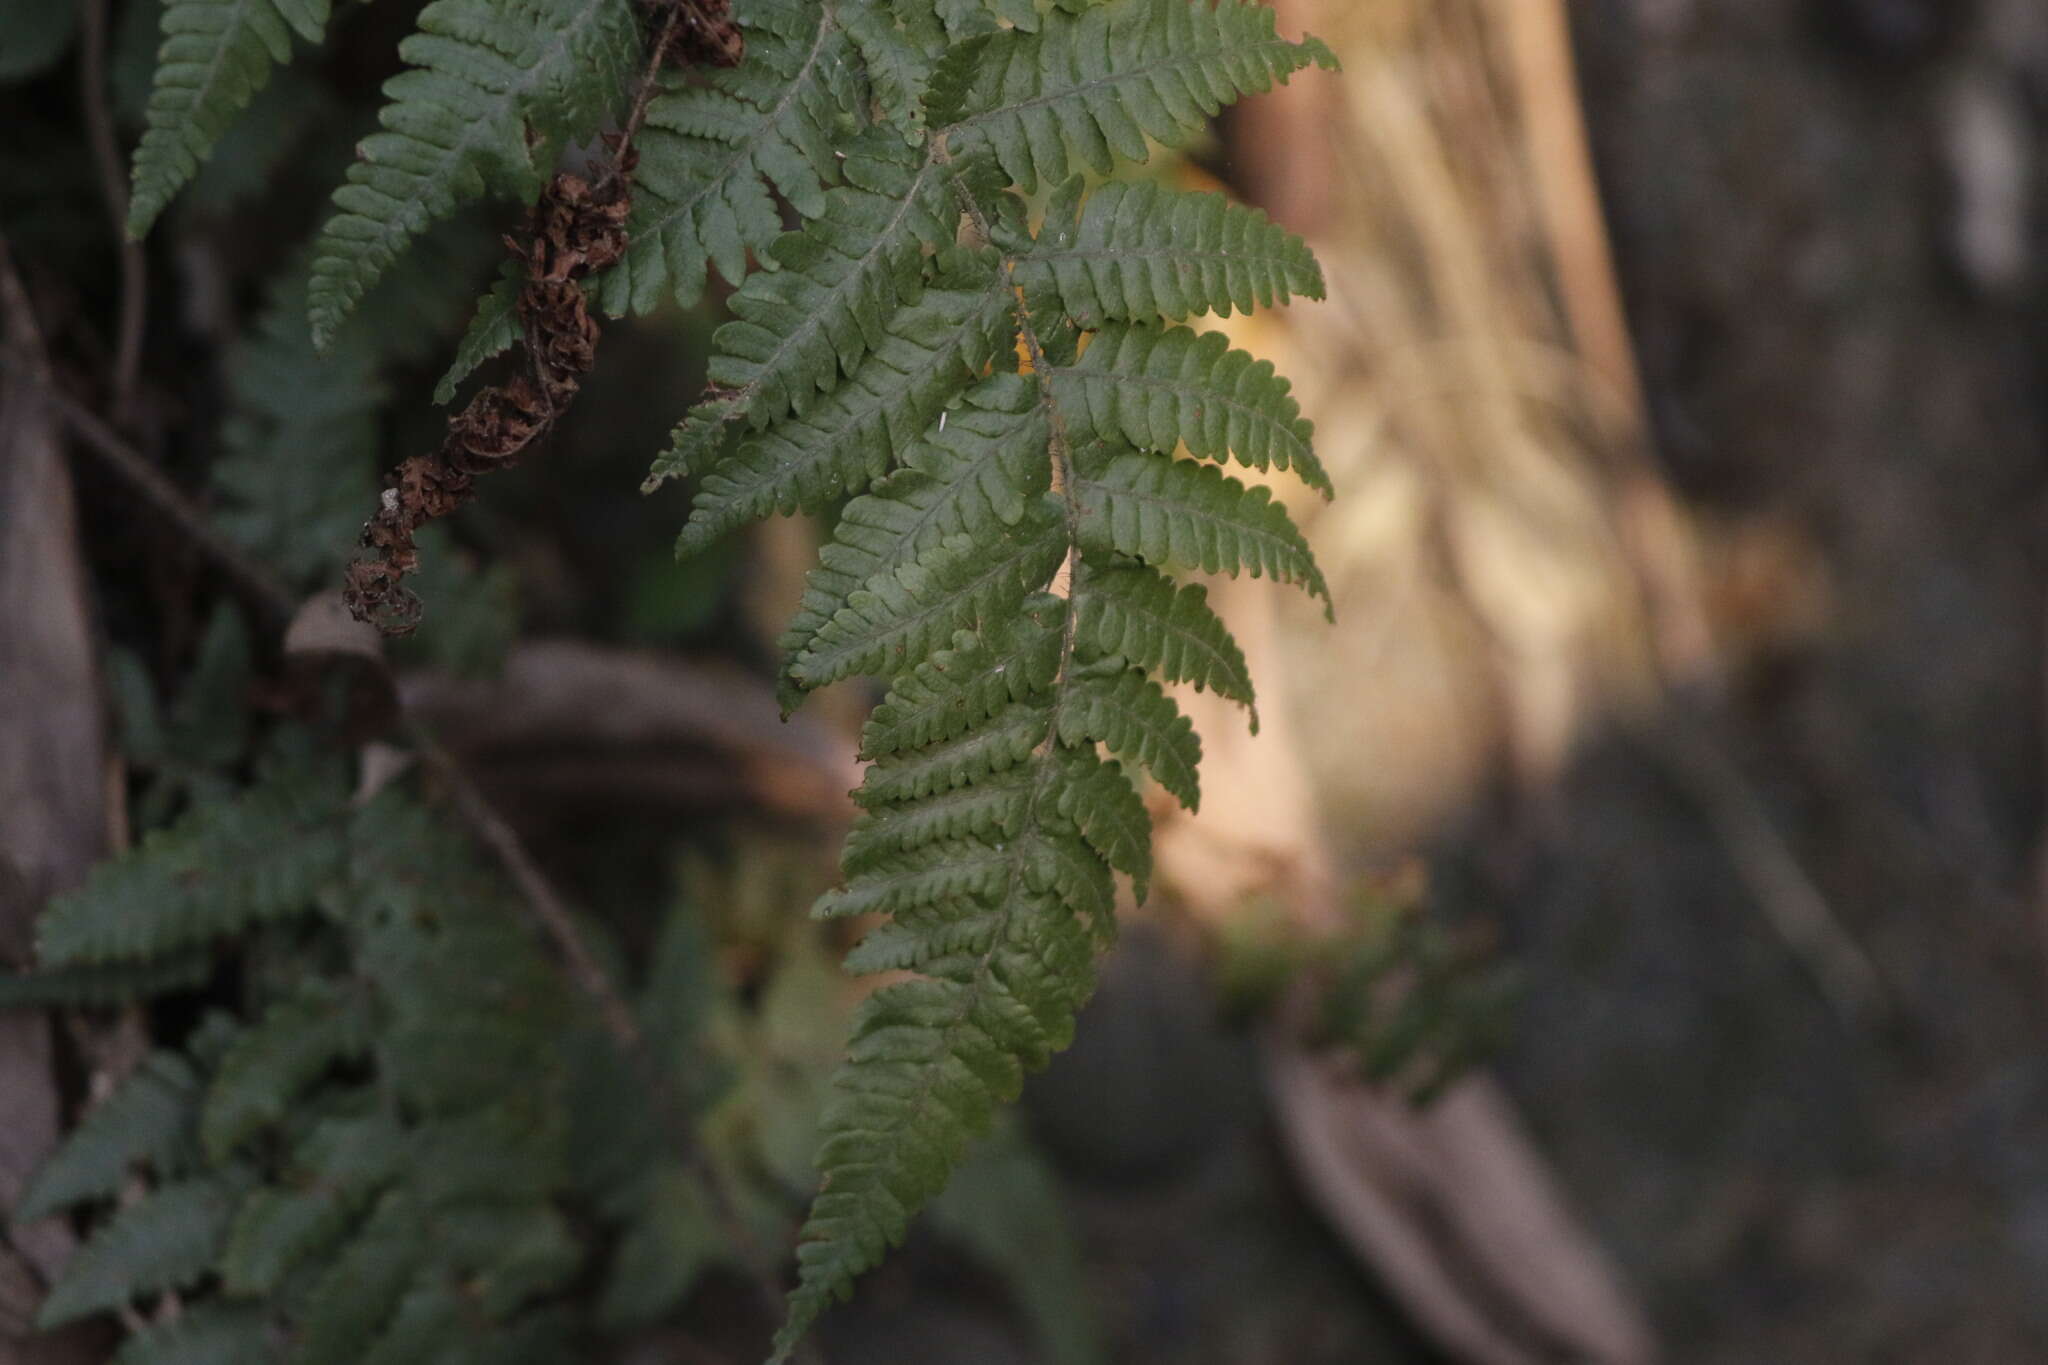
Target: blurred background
<point>1659,830</point>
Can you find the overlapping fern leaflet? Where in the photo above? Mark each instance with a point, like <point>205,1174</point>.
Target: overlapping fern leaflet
<point>492,90</point>
<point>216,55</point>
<point>1008,562</point>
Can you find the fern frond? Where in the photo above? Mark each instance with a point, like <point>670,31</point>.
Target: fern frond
<point>225,865</point>
<point>271,1062</point>
<point>973,477</point>
<point>114,983</point>
<point>1157,387</point>
<point>994,825</point>
<point>340,1167</point>
<point>151,1119</point>
<point>898,618</point>
<point>492,329</point>
<point>710,154</point>
<point>1179,514</point>
<point>798,328</point>
<point>847,439</point>
<point>957,689</point>
<point>1097,85</point>
<point>1134,613</point>
<point>216,55</point>
<point>357,1295</point>
<point>494,87</point>
<point>168,1239</point>
<point>1136,251</point>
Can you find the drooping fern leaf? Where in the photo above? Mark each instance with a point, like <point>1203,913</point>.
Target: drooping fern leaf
<point>493,90</point>
<point>224,866</point>
<point>165,1240</point>
<point>216,55</point>
<point>1006,567</point>
<point>151,1119</point>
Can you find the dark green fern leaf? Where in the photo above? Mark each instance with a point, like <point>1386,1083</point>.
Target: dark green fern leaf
<point>1176,513</point>
<point>336,1172</point>
<point>225,865</point>
<point>1097,85</point>
<point>1136,251</point>
<point>271,1062</point>
<point>798,328</point>
<point>1134,720</point>
<point>494,88</point>
<point>358,1294</point>
<point>1157,387</point>
<point>114,983</point>
<point>492,329</point>
<point>216,55</point>
<point>1002,569</point>
<point>150,1120</point>
<point>1133,613</point>
<point>975,476</point>
<point>168,1239</point>
<point>848,439</point>
<point>898,618</point>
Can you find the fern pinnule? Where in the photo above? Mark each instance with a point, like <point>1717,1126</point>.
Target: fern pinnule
<point>493,89</point>
<point>1136,251</point>
<point>151,1119</point>
<point>168,1239</point>
<point>216,55</point>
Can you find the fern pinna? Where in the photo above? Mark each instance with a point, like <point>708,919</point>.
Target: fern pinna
<point>1006,563</point>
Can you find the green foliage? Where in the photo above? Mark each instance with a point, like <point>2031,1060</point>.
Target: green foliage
<point>399,1144</point>
<point>494,89</point>
<point>713,149</point>
<point>216,55</point>
<point>1002,564</point>
<point>223,867</point>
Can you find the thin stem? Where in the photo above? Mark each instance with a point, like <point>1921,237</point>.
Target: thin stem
<point>106,155</point>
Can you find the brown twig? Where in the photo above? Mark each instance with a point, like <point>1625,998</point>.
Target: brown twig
<point>259,589</point>
<point>106,155</point>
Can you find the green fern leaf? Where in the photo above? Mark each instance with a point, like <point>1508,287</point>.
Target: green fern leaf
<point>1155,388</point>
<point>957,689</point>
<point>151,1119</point>
<point>1130,715</point>
<point>848,439</point>
<point>1136,614</point>
<point>116,983</point>
<point>710,154</point>
<point>270,1063</point>
<point>972,477</point>
<point>166,1240</point>
<point>340,1167</point>
<point>492,330</point>
<point>1136,251</point>
<point>1100,83</point>
<point>993,825</point>
<point>1005,970</point>
<point>216,55</point>
<point>358,1294</point>
<point>485,74</point>
<point>798,328</point>
<point>209,1334</point>
<point>1178,513</point>
<point>900,617</point>
<point>225,865</point>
